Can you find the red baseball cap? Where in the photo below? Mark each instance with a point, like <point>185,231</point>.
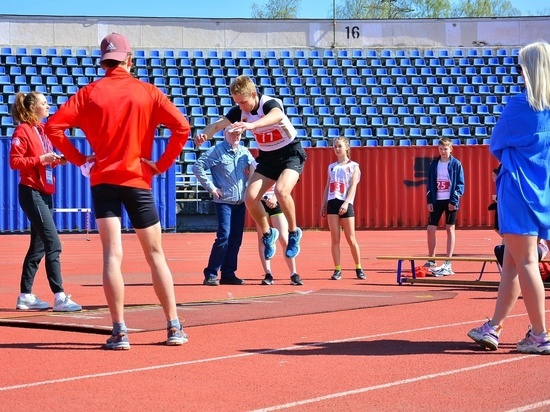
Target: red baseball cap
<point>115,47</point>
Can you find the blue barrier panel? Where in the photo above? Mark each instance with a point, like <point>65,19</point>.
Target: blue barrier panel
<point>73,191</point>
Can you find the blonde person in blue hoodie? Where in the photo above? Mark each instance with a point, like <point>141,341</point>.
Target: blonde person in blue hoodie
<point>521,142</point>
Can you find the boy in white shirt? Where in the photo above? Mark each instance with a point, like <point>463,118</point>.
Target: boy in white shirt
<point>445,188</point>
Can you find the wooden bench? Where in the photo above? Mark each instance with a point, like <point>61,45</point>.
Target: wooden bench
<point>444,280</point>
<point>401,279</point>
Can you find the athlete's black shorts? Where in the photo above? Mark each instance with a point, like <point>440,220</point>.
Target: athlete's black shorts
<point>333,208</point>
<point>272,211</point>
<point>272,164</point>
<point>139,204</point>
<point>440,207</point>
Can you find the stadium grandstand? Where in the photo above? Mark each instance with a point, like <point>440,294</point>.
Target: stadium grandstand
<point>380,83</point>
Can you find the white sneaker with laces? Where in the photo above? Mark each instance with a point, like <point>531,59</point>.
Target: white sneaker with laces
<point>66,305</point>
<point>436,268</point>
<point>445,270</point>
<point>31,302</point>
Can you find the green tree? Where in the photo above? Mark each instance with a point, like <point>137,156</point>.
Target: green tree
<point>484,8</point>
<point>276,9</point>
<point>392,9</point>
<point>430,9</point>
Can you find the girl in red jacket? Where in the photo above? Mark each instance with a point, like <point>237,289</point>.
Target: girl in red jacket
<point>32,154</point>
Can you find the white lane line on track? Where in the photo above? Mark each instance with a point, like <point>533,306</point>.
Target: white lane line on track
<point>531,407</point>
<point>240,355</point>
<point>388,385</point>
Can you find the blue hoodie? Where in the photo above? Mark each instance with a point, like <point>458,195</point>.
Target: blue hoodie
<point>521,142</point>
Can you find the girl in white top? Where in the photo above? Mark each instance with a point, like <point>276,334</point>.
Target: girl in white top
<point>343,177</point>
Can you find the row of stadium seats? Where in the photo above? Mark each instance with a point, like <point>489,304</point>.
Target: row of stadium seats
<point>373,97</point>
<point>355,101</point>
<point>283,53</point>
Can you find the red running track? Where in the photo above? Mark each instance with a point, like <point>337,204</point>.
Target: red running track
<point>410,357</point>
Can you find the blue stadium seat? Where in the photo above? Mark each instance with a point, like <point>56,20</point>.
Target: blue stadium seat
<point>333,132</point>
<point>409,121</point>
<point>344,122</point>
<point>448,132</point>
<point>312,121</point>
<point>388,142</point>
<point>482,110</point>
<point>7,121</point>
<point>459,100</point>
<point>297,121</point>
<point>361,122</point>
<point>428,133</point>
<point>441,121</point>
<point>457,121</point>
<point>489,120</point>
<point>365,132</point>
<point>317,133</point>
<point>425,121</point>
<point>398,132</point>
<point>474,120</point>
<point>35,80</point>
<point>450,111</point>
<point>502,53</point>
<point>328,121</point>
<point>350,133</point>
<point>497,109</point>
<point>434,111</point>
<point>464,132</point>
<point>466,110</point>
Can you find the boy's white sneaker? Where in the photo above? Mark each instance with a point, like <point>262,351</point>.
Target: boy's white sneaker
<point>444,270</point>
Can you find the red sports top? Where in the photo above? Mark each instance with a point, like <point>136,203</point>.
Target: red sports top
<point>27,145</point>
<point>119,115</point>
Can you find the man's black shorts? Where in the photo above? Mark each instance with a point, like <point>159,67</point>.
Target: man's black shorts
<point>139,204</point>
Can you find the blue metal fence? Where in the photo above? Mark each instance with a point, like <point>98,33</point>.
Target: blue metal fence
<point>73,191</point>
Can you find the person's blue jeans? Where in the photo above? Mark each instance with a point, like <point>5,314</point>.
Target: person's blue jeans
<point>229,238</point>
<point>44,239</point>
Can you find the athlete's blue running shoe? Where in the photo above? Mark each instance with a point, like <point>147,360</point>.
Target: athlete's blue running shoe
<point>270,243</point>
<point>293,247</point>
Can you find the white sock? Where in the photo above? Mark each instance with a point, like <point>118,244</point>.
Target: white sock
<point>60,296</point>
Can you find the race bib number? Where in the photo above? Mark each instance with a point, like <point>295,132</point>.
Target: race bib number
<point>443,185</point>
<point>337,187</point>
<point>269,137</point>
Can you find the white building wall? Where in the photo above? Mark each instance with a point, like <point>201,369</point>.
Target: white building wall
<point>171,33</point>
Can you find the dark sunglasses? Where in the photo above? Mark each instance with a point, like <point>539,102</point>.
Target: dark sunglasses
<point>519,69</point>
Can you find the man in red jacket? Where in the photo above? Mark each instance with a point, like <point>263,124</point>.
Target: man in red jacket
<point>119,115</point>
